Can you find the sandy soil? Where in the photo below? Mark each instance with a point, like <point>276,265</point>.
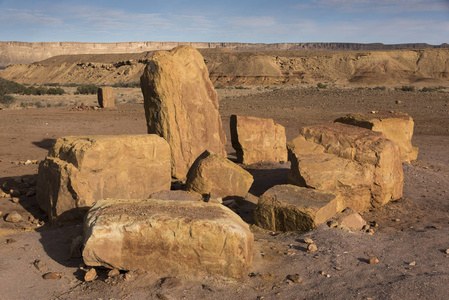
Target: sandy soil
<point>410,241</point>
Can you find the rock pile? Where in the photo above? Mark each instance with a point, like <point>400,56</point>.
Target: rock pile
<point>395,125</point>
<point>359,164</point>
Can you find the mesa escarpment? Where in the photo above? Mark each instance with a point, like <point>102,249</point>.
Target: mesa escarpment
<point>24,53</point>
<point>231,67</point>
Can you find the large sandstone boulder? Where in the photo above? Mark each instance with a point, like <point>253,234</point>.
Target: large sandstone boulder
<point>396,126</point>
<point>181,105</point>
<point>81,170</point>
<point>167,237</point>
<point>359,164</point>
<point>292,208</point>
<point>217,175</point>
<point>106,97</point>
<point>257,139</point>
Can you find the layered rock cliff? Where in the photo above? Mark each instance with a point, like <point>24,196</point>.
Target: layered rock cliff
<point>229,67</point>
<point>22,52</point>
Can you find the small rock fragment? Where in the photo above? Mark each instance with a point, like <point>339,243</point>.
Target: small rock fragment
<point>447,251</point>
<point>373,260</point>
<point>90,275</point>
<point>308,241</point>
<point>332,223</point>
<point>170,283</point>
<point>15,200</point>
<point>344,228</point>
<point>294,278</point>
<point>312,248</point>
<point>40,265</point>
<point>13,217</point>
<point>52,275</point>
<point>14,193</point>
<point>370,231</point>
<point>413,263</point>
<point>398,101</point>
<point>113,273</point>
<point>10,241</point>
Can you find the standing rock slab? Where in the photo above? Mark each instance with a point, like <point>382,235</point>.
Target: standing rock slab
<point>181,105</point>
<point>169,237</point>
<point>257,139</point>
<point>293,208</point>
<point>81,170</point>
<point>357,163</point>
<point>217,175</point>
<point>396,126</point>
<point>106,97</point>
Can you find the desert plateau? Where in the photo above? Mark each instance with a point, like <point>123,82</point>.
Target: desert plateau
<point>400,252</point>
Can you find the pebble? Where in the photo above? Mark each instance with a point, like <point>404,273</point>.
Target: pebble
<point>398,101</point>
<point>344,228</point>
<point>413,263</point>
<point>294,278</point>
<point>312,248</point>
<point>113,273</point>
<point>4,195</point>
<point>373,260</point>
<point>332,223</point>
<point>308,241</point>
<point>40,265</point>
<point>10,241</point>
<point>15,200</point>
<point>14,193</point>
<point>1,213</point>
<point>370,231</point>
<point>447,251</point>
<point>13,217</point>
<point>52,275</point>
<point>366,227</point>
<point>90,275</point>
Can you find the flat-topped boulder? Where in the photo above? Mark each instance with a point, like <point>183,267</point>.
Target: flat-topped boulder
<point>80,170</point>
<point>258,139</point>
<point>169,237</point>
<point>396,126</point>
<point>181,105</point>
<point>293,208</point>
<point>359,164</point>
<point>217,175</point>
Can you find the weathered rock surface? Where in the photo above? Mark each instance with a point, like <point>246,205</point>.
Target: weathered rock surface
<point>181,105</point>
<point>215,174</point>
<point>359,164</point>
<point>351,219</point>
<point>167,237</point>
<point>396,126</point>
<point>81,170</point>
<point>106,97</point>
<point>177,195</point>
<point>13,217</point>
<point>257,139</point>
<point>293,208</point>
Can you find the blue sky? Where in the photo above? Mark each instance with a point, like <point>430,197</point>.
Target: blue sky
<point>365,21</point>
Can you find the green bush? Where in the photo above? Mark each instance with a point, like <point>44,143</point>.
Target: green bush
<point>55,91</point>
<point>31,90</point>
<point>10,87</point>
<point>6,99</point>
<point>87,89</point>
<point>321,85</point>
<point>407,88</point>
<point>41,90</point>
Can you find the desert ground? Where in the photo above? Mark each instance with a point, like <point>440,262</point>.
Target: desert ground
<point>410,237</point>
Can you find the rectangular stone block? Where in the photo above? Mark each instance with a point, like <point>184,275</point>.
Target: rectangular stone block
<point>169,237</point>
<point>106,97</point>
<point>80,170</point>
<point>258,139</point>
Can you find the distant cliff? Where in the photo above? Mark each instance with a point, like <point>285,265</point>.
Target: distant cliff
<point>22,52</point>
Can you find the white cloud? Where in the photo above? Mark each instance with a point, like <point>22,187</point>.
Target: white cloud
<point>16,16</point>
<point>385,6</point>
<point>252,22</point>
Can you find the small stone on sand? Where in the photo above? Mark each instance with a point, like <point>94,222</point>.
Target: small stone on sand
<point>294,278</point>
<point>312,248</point>
<point>52,275</point>
<point>90,275</point>
<point>373,260</point>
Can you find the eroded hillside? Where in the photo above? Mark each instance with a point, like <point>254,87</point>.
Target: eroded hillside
<point>230,67</point>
